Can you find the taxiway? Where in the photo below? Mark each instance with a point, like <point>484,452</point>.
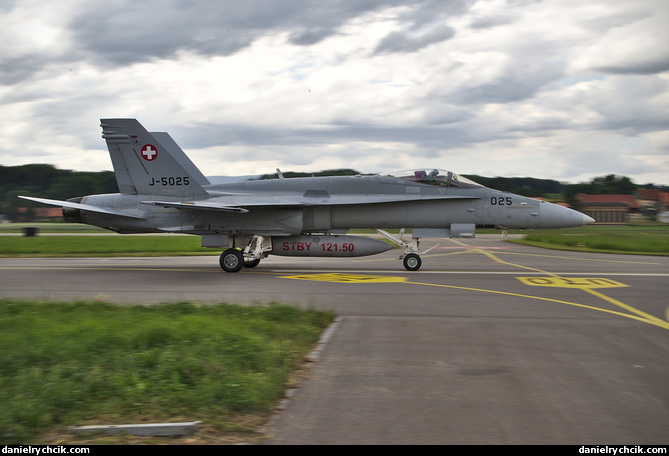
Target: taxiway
<point>489,343</point>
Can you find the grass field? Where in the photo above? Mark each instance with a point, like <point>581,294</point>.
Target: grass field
<point>96,363</point>
<point>67,364</point>
<point>51,227</point>
<point>646,240</point>
<point>650,239</point>
<point>104,245</point>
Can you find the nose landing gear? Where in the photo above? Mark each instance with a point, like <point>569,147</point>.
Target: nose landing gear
<point>411,256</point>
<point>412,262</point>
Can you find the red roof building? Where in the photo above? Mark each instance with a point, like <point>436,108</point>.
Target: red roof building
<point>664,201</point>
<point>608,209</point>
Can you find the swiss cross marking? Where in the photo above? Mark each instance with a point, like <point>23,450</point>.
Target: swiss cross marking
<point>149,152</point>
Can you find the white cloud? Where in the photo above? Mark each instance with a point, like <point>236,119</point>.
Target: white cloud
<point>492,87</point>
<point>631,45</point>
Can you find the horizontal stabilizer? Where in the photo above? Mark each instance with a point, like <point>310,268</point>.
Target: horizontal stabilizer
<point>84,207</point>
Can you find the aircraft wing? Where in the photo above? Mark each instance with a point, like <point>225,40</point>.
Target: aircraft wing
<point>85,207</point>
<point>381,198</point>
<point>324,199</point>
<point>242,203</point>
<point>197,205</point>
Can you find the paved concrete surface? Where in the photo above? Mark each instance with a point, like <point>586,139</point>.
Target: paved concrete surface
<point>489,343</point>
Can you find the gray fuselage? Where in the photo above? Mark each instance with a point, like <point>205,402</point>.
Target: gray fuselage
<point>333,204</point>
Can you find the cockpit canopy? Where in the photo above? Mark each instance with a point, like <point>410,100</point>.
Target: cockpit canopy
<point>438,177</point>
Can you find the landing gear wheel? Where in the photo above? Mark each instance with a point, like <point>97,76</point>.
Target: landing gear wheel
<point>412,262</point>
<point>231,260</point>
<point>252,263</point>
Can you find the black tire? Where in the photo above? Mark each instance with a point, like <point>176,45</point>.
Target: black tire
<point>231,260</point>
<point>412,262</point>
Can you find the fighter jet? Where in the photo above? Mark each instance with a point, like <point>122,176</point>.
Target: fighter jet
<point>162,191</point>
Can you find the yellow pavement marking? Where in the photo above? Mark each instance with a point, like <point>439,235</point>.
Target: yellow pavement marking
<point>564,282</point>
<point>556,279</point>
<point>347,278</point>
<point>648,317</point>
<point>596,260</point>
<point>660,323</point>
<point>552,280</point>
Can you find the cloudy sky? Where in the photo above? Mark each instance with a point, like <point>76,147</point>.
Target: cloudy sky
<point>560,89</point>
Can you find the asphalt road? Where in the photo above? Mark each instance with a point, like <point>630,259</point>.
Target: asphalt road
<point>489,343</point>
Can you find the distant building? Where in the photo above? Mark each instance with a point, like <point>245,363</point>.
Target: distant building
<point>648,195</point>
<point>654,202</point>
<point>608,209</point>
<point>664,202</point>
<point>662,205</point>
<point>39,214</point>
<point>649,200</point>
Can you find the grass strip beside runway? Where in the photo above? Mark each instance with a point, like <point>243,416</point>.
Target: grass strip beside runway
<point>642,239</point>
<point>72,364</point>
<point>106,245</point>
<point>650,240</point>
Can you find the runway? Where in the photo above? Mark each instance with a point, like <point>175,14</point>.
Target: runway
<point>489,343</point>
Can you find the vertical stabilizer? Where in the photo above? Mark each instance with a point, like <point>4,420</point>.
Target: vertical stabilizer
<point>180,156</point>
<point>150,164</point>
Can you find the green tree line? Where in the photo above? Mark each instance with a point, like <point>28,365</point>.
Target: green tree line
<point>47,181</point>
<point>611,184</point>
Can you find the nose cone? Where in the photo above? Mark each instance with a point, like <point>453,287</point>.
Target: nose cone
<point>554,216</point>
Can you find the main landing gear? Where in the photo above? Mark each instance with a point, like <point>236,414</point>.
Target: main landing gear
<point>233,260</point>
